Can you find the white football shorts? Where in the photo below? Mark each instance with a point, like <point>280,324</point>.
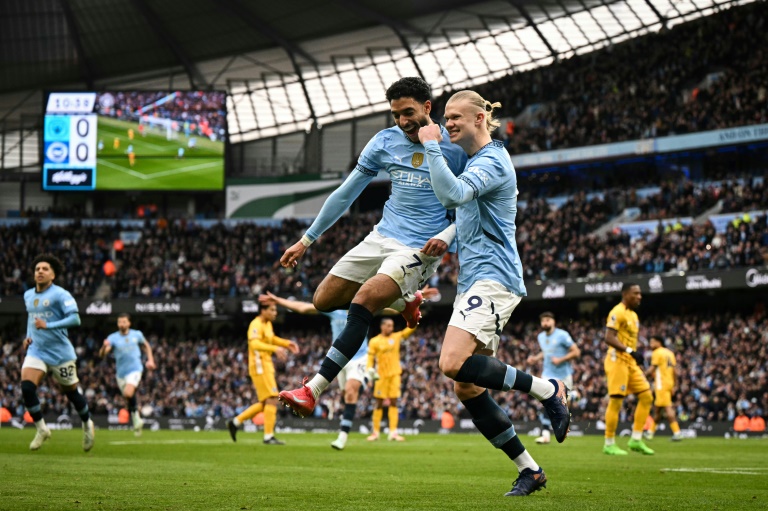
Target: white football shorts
<point>65,374</point>
<point>354,370</point>
<point>133,378</point>
<point>408,267</point>
<point>483,310</point>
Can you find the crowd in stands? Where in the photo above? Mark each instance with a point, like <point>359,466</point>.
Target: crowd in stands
<point>205,109</point>
<point>184,259</point>
<point>722,361</point>
<point>702,75</point>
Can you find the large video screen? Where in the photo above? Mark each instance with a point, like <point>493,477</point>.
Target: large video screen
<point>134,140</point>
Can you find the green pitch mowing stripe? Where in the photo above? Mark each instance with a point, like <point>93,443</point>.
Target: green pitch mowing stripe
<point>153,143</point>
<point>160,174</point>
<point>168,470</point>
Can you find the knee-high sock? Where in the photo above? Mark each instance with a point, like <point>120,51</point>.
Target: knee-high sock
<point>497,428</point>
<point>270,418</point>
<point>491,373</point>
<point>345,346</point>
<point>31,401</point>
<point>80,404</point>
<point>348,416</point>
<point>675,427</point>
<point>378,413</point>
<point>612,416</point>
<point>132,403</point>
<point>644,402</point>
<point>250,412</point>
<point>393,416</point>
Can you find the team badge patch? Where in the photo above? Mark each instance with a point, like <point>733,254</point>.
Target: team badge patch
<point>36,302</point>
<point>417,159</point>
<point>46,303</point>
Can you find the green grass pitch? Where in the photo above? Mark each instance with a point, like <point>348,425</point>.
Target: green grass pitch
<point>156,166</point>
<point>168,470</point>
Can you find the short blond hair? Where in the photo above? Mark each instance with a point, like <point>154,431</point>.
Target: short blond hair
<point>480,103</point>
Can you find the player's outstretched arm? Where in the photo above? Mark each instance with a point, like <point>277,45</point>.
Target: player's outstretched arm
<point>294,305</point>
<point>335,206</point>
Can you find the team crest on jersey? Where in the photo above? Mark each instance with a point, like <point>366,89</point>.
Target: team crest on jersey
<point>417,159</point>
<point>391,342</point>
<point>36,302</point>
<point>46,303</point>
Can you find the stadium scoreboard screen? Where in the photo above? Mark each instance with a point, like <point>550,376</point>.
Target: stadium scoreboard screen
<point>134,140</point>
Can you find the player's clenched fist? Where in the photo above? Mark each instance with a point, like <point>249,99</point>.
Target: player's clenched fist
<point>430,132</point>
<point>292,255</point>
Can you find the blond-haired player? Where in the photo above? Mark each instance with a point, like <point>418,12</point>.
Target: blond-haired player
<point>490,282</point>
<point>262,344</point>
<point>384,358</point>
<point>623,372</point>
<point>662,370</point>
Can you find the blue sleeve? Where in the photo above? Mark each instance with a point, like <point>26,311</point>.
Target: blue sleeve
<point>567,340</point>
<point>340,200</point>
<point>143,339</point>
<point>68,304</point>
<point>450,190</point>
<point>485,175</point>
<point>70,321</point>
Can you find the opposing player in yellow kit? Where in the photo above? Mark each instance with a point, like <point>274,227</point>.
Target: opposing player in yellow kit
<point>622,370</point>
<point>662,370</point>
<point>384,354</point>
<point>262,343</point>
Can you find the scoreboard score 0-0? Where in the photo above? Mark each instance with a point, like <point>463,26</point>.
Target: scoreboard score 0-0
<point>69,141</point>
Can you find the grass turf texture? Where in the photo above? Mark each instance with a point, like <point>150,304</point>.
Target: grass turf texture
<point>185,470</point>
<point>156,166</point>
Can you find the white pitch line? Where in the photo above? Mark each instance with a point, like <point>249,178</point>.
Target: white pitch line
<point>751,471</point>
<point>180,170</point>
<point>121,168</point>
<point>175,442</point>
<point>185,169</point>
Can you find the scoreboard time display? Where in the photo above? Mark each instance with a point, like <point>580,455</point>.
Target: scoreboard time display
<point>70,142</point>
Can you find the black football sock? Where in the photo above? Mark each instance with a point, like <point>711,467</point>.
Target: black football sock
<point>494,424</point>
<point>348,416</point>
<point>80,404</point>
<point>31,401</point>
<point>349,341</point>
<point>491,373</point>
<point>132,403</point>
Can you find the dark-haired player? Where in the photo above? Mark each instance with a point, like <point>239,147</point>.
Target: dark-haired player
<point>52,310</point>
<point>389,266</point>
<point>126,344</point>
<point>623,372</point>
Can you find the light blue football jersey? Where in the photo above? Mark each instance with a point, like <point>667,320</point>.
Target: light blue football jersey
<point>127,351</point>
<point>338,322</point>
<point>486,225</point>
<point>51,345</point>
<point>412,214</point>
<point>556,345</point>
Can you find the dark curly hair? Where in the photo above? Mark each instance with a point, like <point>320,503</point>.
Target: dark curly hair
<point>56,265</point>
<point>410,87</point>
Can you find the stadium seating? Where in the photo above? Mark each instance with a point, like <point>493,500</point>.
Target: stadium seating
<point>612,95</point>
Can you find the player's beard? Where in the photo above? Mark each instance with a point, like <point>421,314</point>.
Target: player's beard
<point>420,124</point>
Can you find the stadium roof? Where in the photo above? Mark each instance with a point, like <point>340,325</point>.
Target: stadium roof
<point>289,65</point>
